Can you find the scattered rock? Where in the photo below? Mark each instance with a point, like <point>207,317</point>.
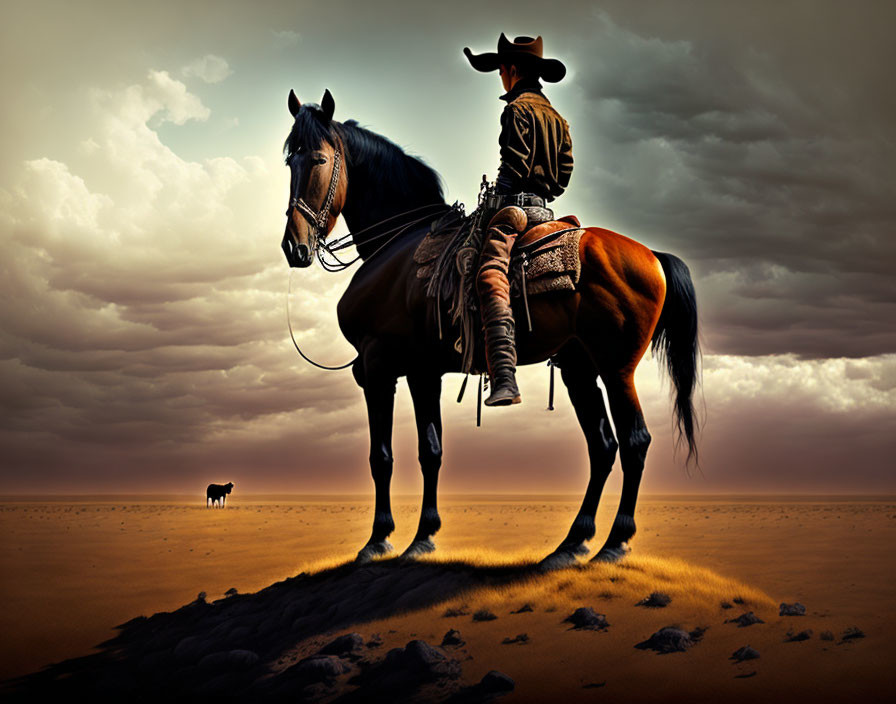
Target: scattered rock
<point>524,609</point>
<point>343,645</point>
<point>190,649</point>
<point>455,611</point>
<point>852,633</point>
<point>317,668</point>
<point>745,675</point>
<point>727,605</point>
<point>656,600</point>
<point>420,661</point>
<point>738,600</point>
<point>201,596</point>
<point>452,637</point>
<point>744,620</point>
<point>229,660</point>
<point>484,615</point>
<point>744,653</point>
<point>795,609</point>
<point>376,640</point>
<point>796,637</point>
<point>669,640</point>
<point>826,635</point>
<point>495,681</point>
<point>521,638</point>
<point>231,592</point>
<point>594,685</point>
<point>585,617</point>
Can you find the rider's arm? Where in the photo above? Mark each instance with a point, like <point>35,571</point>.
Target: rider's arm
<point>515,142</point>
<point>564,163</point>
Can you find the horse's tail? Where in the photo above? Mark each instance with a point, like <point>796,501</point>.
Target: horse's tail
<point>675,341</point>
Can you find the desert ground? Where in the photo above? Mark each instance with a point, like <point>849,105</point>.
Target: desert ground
<point>75,568</point>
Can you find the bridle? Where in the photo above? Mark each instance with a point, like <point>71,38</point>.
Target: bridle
<point>319,219</point>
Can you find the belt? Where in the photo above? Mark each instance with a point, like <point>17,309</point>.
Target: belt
<point>496,201</point>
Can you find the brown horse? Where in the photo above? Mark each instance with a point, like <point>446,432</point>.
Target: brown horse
<point>627,297</point>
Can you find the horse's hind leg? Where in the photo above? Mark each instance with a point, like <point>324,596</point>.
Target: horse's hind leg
<point>633,443</point>
<point>380,396</point>
<point>426,389</point>
<point>580,378</point>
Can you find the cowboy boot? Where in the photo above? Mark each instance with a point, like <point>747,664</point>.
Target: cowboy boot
<point>497,315</point>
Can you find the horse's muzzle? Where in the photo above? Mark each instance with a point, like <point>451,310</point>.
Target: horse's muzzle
<point>298,256</point>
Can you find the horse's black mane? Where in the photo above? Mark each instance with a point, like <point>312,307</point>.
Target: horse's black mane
<point>390,172</point>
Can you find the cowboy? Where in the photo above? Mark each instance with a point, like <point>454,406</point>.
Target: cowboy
<point>536,163</point>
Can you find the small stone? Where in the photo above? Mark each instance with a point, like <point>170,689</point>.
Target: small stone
<point>796,637</point>
<point>585,617</point>
<point>421,661</point>
<point>348,643</point>
<point>452,637</point>
<point>744,653</point>
<point>656,600</point>
<point>738,600</point>
<point>795,609</point>
<point>318,668</point>
<point>496,681</point>
<point>521,638</point>
<point>668,640</point>
<point>524,609</point>
<point>484,615</point>
<point>852,633</point>
<point>201,596</point>
<point>455,611</point>
<point>231,592</point>
<point>229,660</point>
<point>727,605</point>
<point>826,635</point>
<point>744,620</point>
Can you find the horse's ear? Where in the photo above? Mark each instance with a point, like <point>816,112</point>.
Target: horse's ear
<point>293,103</point>
<point>328,105</point>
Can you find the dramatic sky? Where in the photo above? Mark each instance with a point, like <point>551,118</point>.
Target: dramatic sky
<point>143,339</point>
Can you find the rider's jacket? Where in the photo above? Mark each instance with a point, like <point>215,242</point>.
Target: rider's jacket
<point>536,149</point>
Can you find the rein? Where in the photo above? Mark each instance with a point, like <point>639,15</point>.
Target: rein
<point>342,243</point>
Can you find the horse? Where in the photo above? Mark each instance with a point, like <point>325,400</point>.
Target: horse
<point>217,493</point>
<point>627,299</point>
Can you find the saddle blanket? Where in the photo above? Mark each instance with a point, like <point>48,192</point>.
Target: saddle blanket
<point>551,265</point>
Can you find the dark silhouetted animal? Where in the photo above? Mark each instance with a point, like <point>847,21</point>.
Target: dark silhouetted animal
<point>217,493</point>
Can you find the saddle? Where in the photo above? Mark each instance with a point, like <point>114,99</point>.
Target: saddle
<point>544,259</point>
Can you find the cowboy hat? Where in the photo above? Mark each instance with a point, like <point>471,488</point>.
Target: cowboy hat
<point>520,50</point>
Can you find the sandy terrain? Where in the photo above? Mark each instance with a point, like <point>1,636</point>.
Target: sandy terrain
<point>71,571</point>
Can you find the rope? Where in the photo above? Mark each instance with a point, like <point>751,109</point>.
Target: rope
<point>296,344</point>
<point>346,241</point>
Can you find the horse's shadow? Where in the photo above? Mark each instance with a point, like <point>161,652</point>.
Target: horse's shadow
<point>187,650</point>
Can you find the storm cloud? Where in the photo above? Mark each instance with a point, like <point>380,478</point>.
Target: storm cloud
<point>143,340</point>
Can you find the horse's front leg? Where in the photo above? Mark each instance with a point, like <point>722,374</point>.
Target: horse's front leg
<point>426,389</point>
<point>380,397</point>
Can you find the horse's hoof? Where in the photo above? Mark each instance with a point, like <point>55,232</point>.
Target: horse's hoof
<point>419,548</point>
<point>560,559</point>
<point>612,554</point>
<point>371,551</point>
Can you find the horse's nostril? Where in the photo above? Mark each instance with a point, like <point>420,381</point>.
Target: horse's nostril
<point>303,253</point>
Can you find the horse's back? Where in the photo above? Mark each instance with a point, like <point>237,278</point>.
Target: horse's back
<point>622,290</point>
<point>621,264</point>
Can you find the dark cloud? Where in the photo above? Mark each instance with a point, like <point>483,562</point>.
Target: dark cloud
<point>745,166</point>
